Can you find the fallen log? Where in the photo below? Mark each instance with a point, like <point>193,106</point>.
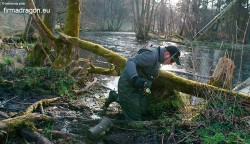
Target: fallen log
<point>97,49</point>
<point>34,136</point>
<point>37,104</point>
<point>10,123</point>
<point>192,87</point>
<point>86,87</point>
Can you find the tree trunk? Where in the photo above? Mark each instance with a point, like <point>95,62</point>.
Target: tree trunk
<point>65,52</point>
<point>50,18</point>
<point>27,30</point>
<point>143,18</point>
<point>223,73</point>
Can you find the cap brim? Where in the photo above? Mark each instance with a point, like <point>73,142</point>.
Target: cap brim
<point>177,61</point>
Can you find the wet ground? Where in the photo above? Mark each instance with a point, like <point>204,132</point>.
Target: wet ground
<point>75,117</point>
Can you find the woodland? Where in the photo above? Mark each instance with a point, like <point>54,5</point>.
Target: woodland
<point>48,73</point>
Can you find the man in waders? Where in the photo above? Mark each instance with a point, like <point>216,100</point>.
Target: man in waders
<point>135,82</point>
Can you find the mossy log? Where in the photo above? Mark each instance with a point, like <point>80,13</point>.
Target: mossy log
<point>42,102</point>
<point>6,82</point>
<point>194,88</point>
<point>11,124</point>
<point>97,49</point>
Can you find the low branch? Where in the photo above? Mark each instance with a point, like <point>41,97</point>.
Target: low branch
<point>42,28</point>
<point>97,49</point>
<point>104,71</point>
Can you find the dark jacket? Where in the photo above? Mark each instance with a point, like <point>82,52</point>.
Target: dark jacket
<point>145,64</point>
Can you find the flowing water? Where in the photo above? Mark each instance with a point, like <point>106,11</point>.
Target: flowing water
<point>196,60</point>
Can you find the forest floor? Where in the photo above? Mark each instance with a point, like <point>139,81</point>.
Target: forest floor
<point>72,116</point>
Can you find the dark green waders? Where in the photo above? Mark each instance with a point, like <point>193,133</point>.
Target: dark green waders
<point>131,99</point>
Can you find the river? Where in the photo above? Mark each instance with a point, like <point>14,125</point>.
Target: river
<point>196,60</point>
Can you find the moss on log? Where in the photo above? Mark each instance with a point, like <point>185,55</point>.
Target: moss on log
<point>109,55</point>
<point>192,87</point>
<point>10,125</point>
<point>35,105</point>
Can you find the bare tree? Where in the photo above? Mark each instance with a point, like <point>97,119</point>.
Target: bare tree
<point>143,15</point>
<point>51,15</point>
<point>104,14</point>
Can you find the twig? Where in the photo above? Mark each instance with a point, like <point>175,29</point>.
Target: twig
<point>244,37</point>
<point>190,133</point>
<point>127,129</point>
<point>87,87</point>
<point>59,134</point>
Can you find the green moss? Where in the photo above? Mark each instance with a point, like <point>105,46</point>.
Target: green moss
<point>223,133</point>
<point>72,23</point>
<point>36,56</point>
<point>6,61</point>
<point>16,125</point>
<point>170,103</point>
<point>41,81</point>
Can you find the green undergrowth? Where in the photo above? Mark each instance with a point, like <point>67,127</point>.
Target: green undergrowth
<point>218,132</point>
<point>217,120</point>
<point>220,121</point>
<point>36,80</point>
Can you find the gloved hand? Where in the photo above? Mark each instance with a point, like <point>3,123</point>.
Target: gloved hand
<point>139,82</point>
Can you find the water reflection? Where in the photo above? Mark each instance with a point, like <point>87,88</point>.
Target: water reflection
<point>196,60</point>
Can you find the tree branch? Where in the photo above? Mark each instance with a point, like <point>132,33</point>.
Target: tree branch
<point>42,28</point>
<point>111,56</point>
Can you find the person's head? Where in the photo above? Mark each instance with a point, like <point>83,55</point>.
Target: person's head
<point>171,55</point>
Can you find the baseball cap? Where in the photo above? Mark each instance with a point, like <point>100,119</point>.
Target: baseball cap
<point>174,53</point>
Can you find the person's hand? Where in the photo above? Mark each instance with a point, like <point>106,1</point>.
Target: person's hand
<point>139,82</point>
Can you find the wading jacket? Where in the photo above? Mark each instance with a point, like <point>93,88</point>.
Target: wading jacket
<point>145,63</point>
